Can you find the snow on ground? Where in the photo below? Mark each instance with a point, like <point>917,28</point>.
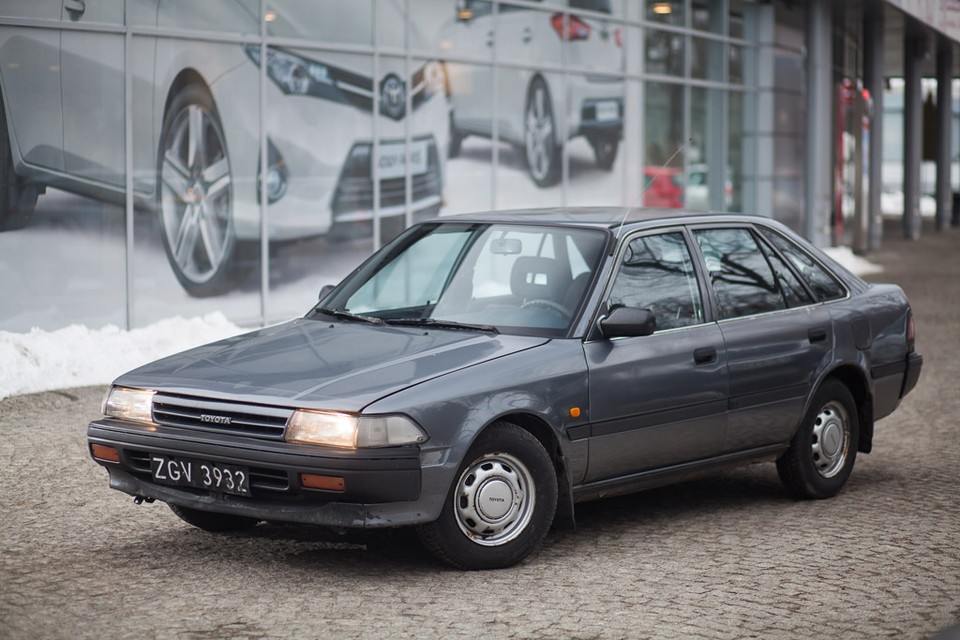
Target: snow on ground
<point>78,356</point>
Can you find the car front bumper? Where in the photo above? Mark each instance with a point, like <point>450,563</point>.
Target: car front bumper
<point>382,487</point>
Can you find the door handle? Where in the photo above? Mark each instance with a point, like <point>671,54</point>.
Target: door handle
<point>75,6</point>
<point>817,335</point>
<point>705,355</point>
<point>489,38</point>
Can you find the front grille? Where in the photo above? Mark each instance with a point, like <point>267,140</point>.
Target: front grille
<point>219,416</point>
<point>354,190</point>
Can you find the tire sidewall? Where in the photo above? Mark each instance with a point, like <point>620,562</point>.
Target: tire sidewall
<point>552,175</point>
<point>455,547</point>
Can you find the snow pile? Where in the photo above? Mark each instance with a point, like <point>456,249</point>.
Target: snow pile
<point>77,356</point>
<point>852,262</point>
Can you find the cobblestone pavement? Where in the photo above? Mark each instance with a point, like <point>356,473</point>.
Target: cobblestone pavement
<point>727,556</point>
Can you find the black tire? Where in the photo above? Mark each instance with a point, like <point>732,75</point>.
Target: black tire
<point>195,195</point>
<point>18,197</point>
<point>456,139</point>
<point>605,151</point>
<point>541,151</point>
<point>213,522</point>
<point>824,449</point>
<point>503,470</point>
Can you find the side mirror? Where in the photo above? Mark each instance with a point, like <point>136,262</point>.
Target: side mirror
<point>325,291</point>
<point>628,321</point>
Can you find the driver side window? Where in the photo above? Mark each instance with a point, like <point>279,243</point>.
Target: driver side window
<point>657,273</point>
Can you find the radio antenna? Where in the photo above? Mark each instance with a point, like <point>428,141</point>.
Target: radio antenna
<point>634,204</point>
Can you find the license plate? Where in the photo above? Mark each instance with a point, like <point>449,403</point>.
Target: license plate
<point>202,475</point>
<point>393,158</point>
<point>608,110</point>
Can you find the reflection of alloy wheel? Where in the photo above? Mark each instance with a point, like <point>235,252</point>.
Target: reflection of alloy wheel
<point>196,194</point>
<point>822,453</point>
<point>501,504</point>
<point>539,136</point>
<point>456,139</point>
<point>17,196</point>
<point>605,151</point>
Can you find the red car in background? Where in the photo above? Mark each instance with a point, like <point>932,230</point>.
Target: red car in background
<point>663,187</point>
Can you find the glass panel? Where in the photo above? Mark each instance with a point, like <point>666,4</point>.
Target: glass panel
<point>320,159</point>
<point>62,254</point>
<point>594,42</point>
<point>707,15</point>
<point>664,53</point>
<point>697,184</point>
<point>824,285</point>
<point>790,287</point>
<point>327,21</point>
<point>666,12</point>
<point>240,17</point>
<point>657,274</point>
<point>663,165</point>
<point>736,63</point>
<point>736,25</point>
<point>706,62</point>
<point>198,170</point>
<point>741,277</point>
<point>469,169</point>
<point>596,159</point>
<point>735,147</point>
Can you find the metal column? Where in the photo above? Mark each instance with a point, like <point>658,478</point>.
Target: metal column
<point>914,50</point>
<point>873,81</point>
<point>944,133</point>
<point>819,162</point>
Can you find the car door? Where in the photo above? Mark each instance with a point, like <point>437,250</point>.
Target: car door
<point>660,399</point>
<point>91,70</point>
<point>776,337</point>
<point>30,80</point>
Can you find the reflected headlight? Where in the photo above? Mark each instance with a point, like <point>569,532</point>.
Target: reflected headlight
<point>292,73</point>
<point>333,429</point>
<point>125,403</point>
<point>435,79</point>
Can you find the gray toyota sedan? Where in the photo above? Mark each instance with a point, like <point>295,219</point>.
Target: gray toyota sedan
<point>481,374</point>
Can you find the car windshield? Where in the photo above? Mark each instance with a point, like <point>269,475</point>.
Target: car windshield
<point>510,278</point>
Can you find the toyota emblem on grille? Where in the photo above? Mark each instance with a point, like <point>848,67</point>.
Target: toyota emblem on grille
<point>393,97</point>
<point>224,420</point>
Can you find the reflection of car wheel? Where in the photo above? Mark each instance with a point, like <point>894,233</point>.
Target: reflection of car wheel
<point>539,136</point>
<point>605,151</point>
<point>17,196</point>
<point>196,194</point>
<point>501,504</point>
<point>456,140</point>
<point>209,521</point>
<point>822,453</point>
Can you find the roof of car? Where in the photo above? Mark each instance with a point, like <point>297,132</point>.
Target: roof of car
<point>600,217</point>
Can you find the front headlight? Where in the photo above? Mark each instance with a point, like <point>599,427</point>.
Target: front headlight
<point>333,429</point>
<point>292,73</point>
<point>125,403</point>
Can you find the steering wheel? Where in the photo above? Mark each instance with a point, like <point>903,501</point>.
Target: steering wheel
<point>548,304</point>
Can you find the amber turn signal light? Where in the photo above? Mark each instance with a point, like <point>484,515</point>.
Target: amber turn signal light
<point>102,452</point>
<point>327,483</point>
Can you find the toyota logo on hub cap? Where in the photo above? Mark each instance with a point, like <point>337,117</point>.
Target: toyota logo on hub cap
<point>393,97</point>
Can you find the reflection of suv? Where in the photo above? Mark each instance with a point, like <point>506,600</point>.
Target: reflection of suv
<point>196,124</point>
<point>528,99</point>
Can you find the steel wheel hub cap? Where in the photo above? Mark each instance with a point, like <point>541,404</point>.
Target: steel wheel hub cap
<point>831,439</point>
<point>494,499</point>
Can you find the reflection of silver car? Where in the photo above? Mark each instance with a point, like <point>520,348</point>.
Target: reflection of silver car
<point>529,99</point>
<point>195,125</point>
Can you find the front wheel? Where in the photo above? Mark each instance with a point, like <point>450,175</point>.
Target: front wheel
<point>501,504</point>
<point>822,453</point>
<point>196,195</point>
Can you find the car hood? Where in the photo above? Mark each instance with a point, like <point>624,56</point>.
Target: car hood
<point>321,364</point>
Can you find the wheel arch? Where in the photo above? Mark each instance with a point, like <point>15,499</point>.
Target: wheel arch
<point>855,380</point>
<point>547,436</point>
<point>186,77</point>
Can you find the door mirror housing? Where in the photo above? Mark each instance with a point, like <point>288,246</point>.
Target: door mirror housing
<point>624,322</point>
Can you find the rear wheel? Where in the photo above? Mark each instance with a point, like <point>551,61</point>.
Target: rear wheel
<point>605,151</point>
<point>501,505</point>
<point>213,522</point>
<point>822,453</point>
<point>18,197</point>
<point>543,154</point>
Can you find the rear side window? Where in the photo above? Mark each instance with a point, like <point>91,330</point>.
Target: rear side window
<point>790,286</point>
<point>741,277</point>
<point>821,281</point>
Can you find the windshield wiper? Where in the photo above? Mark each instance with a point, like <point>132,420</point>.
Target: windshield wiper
<point>346,315</point>
<point>441,324</point>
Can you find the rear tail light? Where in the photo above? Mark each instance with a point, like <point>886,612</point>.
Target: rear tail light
<point>911,332</point>
<point>575,28</point>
